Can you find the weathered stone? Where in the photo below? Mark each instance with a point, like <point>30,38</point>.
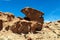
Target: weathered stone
<point>39,27</point>
<point>36,27</point>
<point>26,26</point>
<point>33,15</point>
<point>1,25</point>
<point>31,23</point>
<point>14,28</point>
<point>9,17</point>
<point>31,11</point>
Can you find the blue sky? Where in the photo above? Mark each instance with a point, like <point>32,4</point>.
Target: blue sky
<point>51,8</point>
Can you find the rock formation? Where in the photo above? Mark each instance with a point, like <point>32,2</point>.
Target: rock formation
<point>31,23</point>
<point>50,31</point>
<point>33,15</point>
<point>12,28</point>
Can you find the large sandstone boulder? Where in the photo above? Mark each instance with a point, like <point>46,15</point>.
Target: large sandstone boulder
<point>33,15</point>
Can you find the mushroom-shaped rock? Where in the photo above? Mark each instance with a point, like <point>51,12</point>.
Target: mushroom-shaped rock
<point>33,15</point>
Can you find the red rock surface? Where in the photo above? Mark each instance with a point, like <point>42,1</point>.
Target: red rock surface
<point>33,15</point>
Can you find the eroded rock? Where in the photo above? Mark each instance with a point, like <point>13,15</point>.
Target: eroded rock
<point>31,23</point>
<point>10,17</point>
<point>33,15</point>
<point>1,25</point>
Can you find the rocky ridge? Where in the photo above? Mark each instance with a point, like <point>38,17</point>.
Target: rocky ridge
<point>28,28</point>
<point>50,31</point>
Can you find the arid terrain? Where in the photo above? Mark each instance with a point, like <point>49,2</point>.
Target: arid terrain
<point>50,31</point>
<point>29,28</point>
